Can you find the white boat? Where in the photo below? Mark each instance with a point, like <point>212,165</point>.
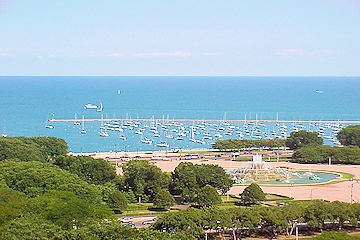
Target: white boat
<point>122,137</point>
<point>162,144</point>
<point>146,140</point>
<point>76,122</point>
<point>48,126</point>
<point>90,106</point>
<point>103,134</point>
<point>100,108</point>
<point>4,135</point>
<point>83,131</point>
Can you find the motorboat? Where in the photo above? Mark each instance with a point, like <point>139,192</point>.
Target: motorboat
<point>162,144</point>
<point>90,106</point>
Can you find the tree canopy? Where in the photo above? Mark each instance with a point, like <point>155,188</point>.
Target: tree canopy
<point>144,179</point>
<point>303,138</point>
<point>163,199</point>
<point>252,194</point>
<point>189,178</point>
<point>36,178</point>
<point>349,136</point>
<point>94,171</point>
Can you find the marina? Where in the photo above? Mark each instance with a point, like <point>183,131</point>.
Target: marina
<point>156,134</point>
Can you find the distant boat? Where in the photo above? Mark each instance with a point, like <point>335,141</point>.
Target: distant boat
<point>162,144</point>
<point>4,135</point>
<point>48,126</point>
<point>100,108</point>
<point>103,134</point>
<point>119,92</point>
<point>90,106</point>
<point>83,131</point>
<point>319,91</point>
<point>146,140</point>
<point>76,122</point>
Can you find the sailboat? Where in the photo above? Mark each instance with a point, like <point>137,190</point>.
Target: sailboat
<point>4,132</point>
<point>48,126</point>
<point>100,108</point>
<point>83,131</point>
<point>76,122</point>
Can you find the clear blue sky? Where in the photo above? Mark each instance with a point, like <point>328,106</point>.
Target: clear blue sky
<point>187,37</point>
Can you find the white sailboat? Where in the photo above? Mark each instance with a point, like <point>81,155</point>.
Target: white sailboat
<point>83,131</point>
<point>4,132</point>
<point>76,122</point>
<point>48,126</point>
<point>100,108</point>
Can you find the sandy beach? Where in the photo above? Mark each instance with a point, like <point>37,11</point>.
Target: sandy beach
<point>341,191</point>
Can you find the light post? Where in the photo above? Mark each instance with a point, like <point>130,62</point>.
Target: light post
<point>115,149</point>
<point>311,194</point>
<point>351,190</point>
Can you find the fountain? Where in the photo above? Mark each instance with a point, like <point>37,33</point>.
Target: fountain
<point>260,171</point>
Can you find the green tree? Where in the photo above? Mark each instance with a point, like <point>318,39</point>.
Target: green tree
<point>252,194</point>
<point>50,146</point>
<point>184,181</point>
<point>12,204</point>
<point>334,236</point>
<point>163,199</point>
<point>213,175</point>
<point>117,201</point>
<point>316,213</point>
<point>303,138</point>
<point>94,171</point>
<point>66,210</point>
<point>349,136</point>
<point>36,178</point>
<point>144,179</point>
<point>31,228</point>
<point>208,196</point>
<point>17,148</point>
<point>189,178</point>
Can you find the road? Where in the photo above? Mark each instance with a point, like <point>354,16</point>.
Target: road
<point>138,220</point>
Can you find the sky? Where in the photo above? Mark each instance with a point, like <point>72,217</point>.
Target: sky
<point>180,38</point>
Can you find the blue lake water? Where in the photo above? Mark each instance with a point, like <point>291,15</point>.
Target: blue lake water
<point>27,102</point>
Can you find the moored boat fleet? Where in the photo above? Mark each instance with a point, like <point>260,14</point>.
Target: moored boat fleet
<point>167,133</point>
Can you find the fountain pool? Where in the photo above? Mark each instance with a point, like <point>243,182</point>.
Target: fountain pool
<point>263,173</point>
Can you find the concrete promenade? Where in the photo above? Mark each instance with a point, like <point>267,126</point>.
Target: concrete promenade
<point>161,120</point>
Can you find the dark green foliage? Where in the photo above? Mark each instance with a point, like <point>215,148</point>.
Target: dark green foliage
<point>208,196</point>
<point>95,171</point>
<point>144,179</point>
<point>334,236</point>
<point>31,228</point>
<point>36,178</point>
<point>51,146</point>
<point>303,138</point>
<point>163,199</point>
<point>188,179</point>
<point>321,154</point>
<point>236,144</point>
<point>66,210</point>
<point>117,201</point>
<point>12,204</point>
<point>32,149</point>
<point>349,136</point>
<point>252,194</point>
<point>18,148</point>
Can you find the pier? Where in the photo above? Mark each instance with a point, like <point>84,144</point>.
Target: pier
<point>167,120</point>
